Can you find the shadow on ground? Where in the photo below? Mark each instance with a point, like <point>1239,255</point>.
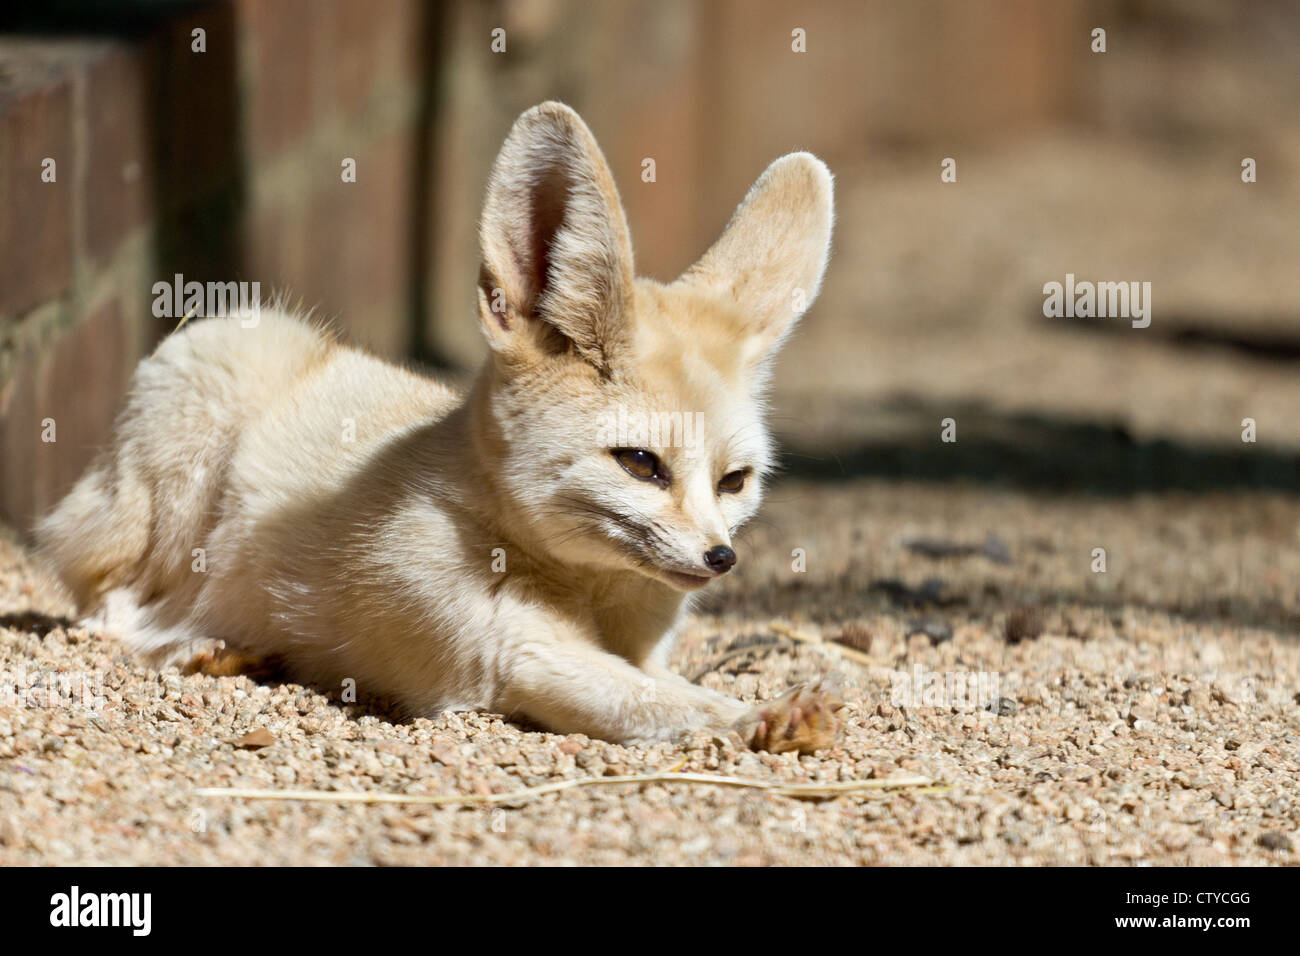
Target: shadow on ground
<point>1037,453</point>
<point>34,622</point>
<point>832,602</point>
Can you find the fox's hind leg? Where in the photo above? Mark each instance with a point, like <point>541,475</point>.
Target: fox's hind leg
<point>142,631</point>
<point>98,535</point>
<point>98,541</point>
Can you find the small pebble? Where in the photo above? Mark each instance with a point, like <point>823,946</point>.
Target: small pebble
<point>1004,707</point>
<point>1024,624</point>
<point>1272,840</point>
<point>936,630</point>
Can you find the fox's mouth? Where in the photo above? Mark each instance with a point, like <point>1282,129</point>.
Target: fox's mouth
<point>636,542</point>
<point>688,581</point>
<point>673,576</point>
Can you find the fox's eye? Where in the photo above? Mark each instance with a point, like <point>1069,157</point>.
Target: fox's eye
<point>733,481</point>
<point>642,464</point>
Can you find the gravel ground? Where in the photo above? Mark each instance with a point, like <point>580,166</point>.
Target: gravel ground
<point>1148,714</point>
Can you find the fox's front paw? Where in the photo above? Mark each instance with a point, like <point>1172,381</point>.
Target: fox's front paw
<point>802,719</point>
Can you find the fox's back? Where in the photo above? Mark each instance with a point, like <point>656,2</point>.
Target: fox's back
<point>229,417</point>
<point>310,411</point>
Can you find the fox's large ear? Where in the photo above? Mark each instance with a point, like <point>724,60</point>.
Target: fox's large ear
<point>770,259</point>
<point>557,260</point>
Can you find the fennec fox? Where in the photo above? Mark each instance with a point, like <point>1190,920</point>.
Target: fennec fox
<point>529,548</point>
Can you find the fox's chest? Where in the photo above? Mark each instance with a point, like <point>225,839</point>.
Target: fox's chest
<point>635,626</point>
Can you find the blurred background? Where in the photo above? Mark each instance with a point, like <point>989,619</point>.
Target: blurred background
<point>1118,166</point>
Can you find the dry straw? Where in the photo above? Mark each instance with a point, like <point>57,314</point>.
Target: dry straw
<point>800,791</point>
<point>851,653</point>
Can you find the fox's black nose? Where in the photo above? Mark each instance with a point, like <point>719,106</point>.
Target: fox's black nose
<point>720,559</point>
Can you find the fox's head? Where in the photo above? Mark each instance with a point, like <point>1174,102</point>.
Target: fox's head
<point>625,415</point>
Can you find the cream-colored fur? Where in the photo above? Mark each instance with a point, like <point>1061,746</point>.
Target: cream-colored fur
<point>232,505</point>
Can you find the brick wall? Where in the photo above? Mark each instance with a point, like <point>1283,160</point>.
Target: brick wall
<point>220,165</point>
<point>71,306</point>
<point>225,165</point>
